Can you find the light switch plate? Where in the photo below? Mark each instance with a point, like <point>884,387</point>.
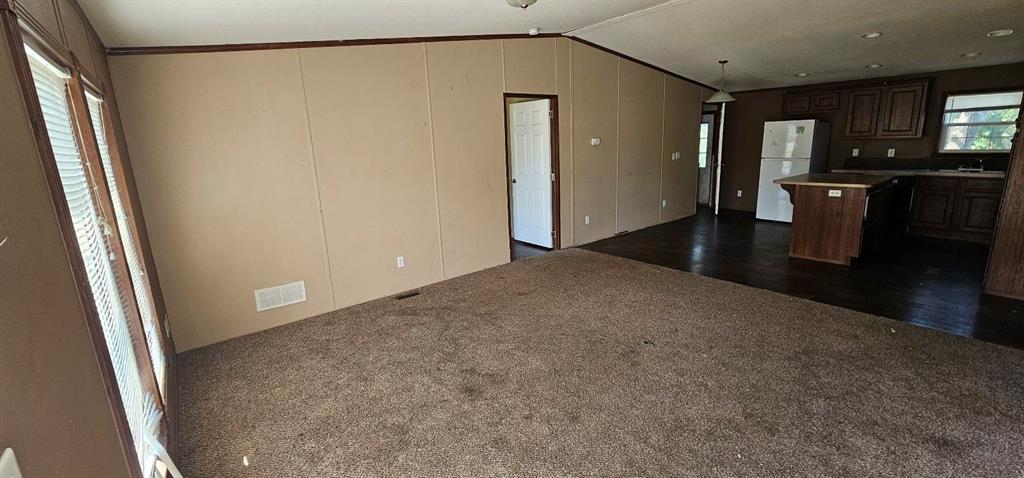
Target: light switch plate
<point>399,261</point>
<point>835,193</point>
<point>586,219</point>
<point>664,203</point>
<point>739,193</point>
<point>856,152</point>
<point>595,141</point>
<point>9,465</point>
<point>675,155</point>
<point>891,153</point>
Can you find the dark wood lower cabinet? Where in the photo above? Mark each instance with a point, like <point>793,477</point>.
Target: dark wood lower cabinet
<point>956,208</point>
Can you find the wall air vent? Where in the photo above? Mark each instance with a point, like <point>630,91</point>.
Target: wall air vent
<point>280,296</point>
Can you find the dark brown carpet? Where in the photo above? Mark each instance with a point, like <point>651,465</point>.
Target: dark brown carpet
<point>576,363</point>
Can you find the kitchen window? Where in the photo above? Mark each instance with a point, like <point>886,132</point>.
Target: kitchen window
<point>980,123</point>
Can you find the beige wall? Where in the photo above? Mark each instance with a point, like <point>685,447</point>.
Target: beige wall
<point>266,167</point>
<point>54,409</point>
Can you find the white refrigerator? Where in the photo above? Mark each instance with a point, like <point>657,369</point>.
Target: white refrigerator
<point>789,148</point>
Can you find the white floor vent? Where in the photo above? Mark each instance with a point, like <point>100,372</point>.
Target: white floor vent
<point>280,296</point>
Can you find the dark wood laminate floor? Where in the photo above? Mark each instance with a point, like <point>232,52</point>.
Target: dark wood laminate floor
<point>927,282</point>
<point>522,249</point>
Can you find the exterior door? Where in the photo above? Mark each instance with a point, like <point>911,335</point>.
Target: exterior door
<point>530,156</point>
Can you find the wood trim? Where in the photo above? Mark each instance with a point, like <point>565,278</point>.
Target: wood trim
<point>13,32</point>
<point>641,62</point>
<point>556,206</point>
<point>165,50</point>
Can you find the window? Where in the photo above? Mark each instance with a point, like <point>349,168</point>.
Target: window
<point>702,152</point>
<point>133,258</point>
<point>99,248</point>
<point>980,123</point>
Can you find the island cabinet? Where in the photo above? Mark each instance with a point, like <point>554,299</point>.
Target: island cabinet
<point>961,208</point>
<point>837,217</point>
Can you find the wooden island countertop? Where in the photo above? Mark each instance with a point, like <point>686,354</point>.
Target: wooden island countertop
<point>838,180</point>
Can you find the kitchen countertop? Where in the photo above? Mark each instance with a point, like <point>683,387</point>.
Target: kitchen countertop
<point>926,172</point>
<point>865,181</point>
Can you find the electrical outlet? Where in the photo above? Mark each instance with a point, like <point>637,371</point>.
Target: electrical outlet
<point>595,141</point>
<point>891,153</point>
<point>835,193</point>
<point>739,193</point>
<point>856,152</point>
<point>399,261</point>
<point>675,156</point>
<point>664,203</point>
<point>586,219</point>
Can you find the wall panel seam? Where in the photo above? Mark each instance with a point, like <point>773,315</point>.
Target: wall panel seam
<point>661,159</point>
<point>618,147</point>
<point>433,158</point>
<point>316,181</point>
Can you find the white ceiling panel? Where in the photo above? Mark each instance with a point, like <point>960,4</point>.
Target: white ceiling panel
<point>767,42</point>
<point>140,23</point>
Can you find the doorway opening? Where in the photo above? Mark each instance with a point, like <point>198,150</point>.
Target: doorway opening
<point>707,156</point>
<point>531,144</point>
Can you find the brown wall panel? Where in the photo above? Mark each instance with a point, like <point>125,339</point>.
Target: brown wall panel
<point>682,135</point>
<point>54,410</point>
<point>595,89</point>
<point>530,65</point>
<point>469,153</point>
<point>641,124</point>
<point>369,124</point>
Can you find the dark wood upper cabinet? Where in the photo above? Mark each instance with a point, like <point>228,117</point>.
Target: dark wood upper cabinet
<point>862,116</point>
<point>827,101</point>
<point>796,103</point>
<point>903,110</point>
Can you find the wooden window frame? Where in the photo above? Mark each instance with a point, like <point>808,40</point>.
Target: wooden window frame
<point>18,34</point>
<point>941,123</point>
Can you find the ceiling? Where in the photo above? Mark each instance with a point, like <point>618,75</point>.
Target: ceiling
<point>138,23</point>
<point>767,42</point>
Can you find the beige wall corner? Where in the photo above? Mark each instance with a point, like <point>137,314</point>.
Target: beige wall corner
<point>221,155</point>
<point>469,153</point>
<point>594,115</point>
<point>369,124</point>
<point>682,126</point>
<point>641,112</point>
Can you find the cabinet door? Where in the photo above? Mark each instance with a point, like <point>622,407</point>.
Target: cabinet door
<point>933,209</point>
<point>862,118</point>
<point>978,212</point>
<point>796,103</point>
<point>903,110</point>
<point>828,101</point>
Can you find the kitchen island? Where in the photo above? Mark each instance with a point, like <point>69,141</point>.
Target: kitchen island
<point>837,216</point>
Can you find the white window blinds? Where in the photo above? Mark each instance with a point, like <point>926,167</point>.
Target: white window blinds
<point>133,258</point>
<point>92,235</point>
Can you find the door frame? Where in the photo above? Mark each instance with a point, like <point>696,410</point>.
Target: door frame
<point>713,155</point>
<point>556,217</point>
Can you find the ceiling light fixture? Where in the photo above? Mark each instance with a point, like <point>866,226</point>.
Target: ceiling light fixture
<point>802,74</point>
<point>721,96</point>
<point>871,35</point>
<point>971,54</point>
<point>524,4</point>
<point>999,33</point>
<point>873,66</point>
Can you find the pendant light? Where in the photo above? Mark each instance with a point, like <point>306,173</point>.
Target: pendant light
<point>721,96</point>
<point>521,3</point>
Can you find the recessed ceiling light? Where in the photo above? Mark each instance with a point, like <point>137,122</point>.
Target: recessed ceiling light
<point>971,54</point>
<point>871,35</point>
<point>999,33</point>
<point>873,66</point>
<point>802,74</point>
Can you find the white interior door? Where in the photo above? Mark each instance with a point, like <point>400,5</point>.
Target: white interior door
<point>530,145</point>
